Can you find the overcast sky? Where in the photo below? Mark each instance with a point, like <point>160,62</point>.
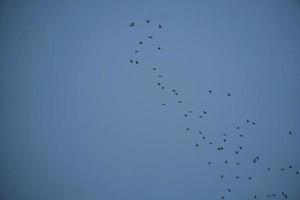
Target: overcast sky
<point>79,121</point>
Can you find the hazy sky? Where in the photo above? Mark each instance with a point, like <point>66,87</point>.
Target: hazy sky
<point>79,121</point>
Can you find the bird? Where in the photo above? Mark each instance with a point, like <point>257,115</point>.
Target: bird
<point>269,169</point>
<point>224,140</point>
<point>237,127</point>
<point>148,21</point>
<point>237,163</point>
<point>237,177</point>
<point>210,91</point>
<point>249,178</point>
<point>253,123</point>
<point>154,68</point>
<point>135,51</point>
<point>200,132</point>
<point>197,145</point>
<point>163,104</point>
<point>247,121</point>
<point>226,161</point>
<point>222,176</point>
<point>236,152</point>
<point>176,93</point>
<point>136,62</point>
<point>158,84</point>
<point>179,101</point>
<point>150,37</point>
<point>159,76</point>
<point>229,190</point>
<point>203,137</point>
<point>209,163</point>
<point>190,111</point>
<point>222,197</point>
<point>131,61</point>
<point>131,24</point>
<point>290,132</point>
<point>282,169</point>
<point>204,112</point>
<point>228,94</point>
<point>255,197</point>
<point>241,135</point>
<point>240,147</point>
<point>200,116</point>
<point>297,172</point>
<point>163,87</point>
<point>173,90</point>
<point>185,115</point>
<point>159,26</point>
<point>158,48</point>
<point>140,42</point>
<point>290,166</point>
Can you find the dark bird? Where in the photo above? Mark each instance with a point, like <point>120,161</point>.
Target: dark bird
<point>158,84</point>
<point>210,143</point>
<point>255,197</point>
<point>200,132</point>
<point>282,169</point>
<point>140,42</point>
<point>131,61</point>
<point>229,190</point>
<point>241,135</point>
<point>158,48</point>
<point>187,129</point>
<point>173,90</point>
<point>222,176</point>
<point>136,62</point>
<point>160,76</point>
<point>247,121</point>
<point>290,132</point>
<point>226,161</point>
<point>190,111</point>
<point>203,137</point>
<point>236,152</point>
<point>237,163</point>
<point>185,115</point>
<point>224,140</point>
<point>159,26</point>
<point>148,21</point>
<point>228,94</point>
<point>150,37</point>
<point>179,101</point>
<point>249,178</point>
<point>297,172</point>
<point>209,163</point>
<point>163,104</point>
<point>222,197</point>
<point>163,87</point>
<point>135,51</point>
<point>269,169</point>
<point>237,177</point>
<point>204,112</point>
<point>290,166</point>
<point>253,123</point>
<point>131,24</point>
<point>200,116</point>
<point>237,127</point>
<point>154,68</point>
<point>209,91</point>
<point>176,93</point>
<point>197,145</point>
<point>240,147</point>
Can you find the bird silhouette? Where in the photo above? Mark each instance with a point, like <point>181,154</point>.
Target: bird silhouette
<point>131,24</point>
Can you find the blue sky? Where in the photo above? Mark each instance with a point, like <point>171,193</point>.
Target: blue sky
<point>79,121</point>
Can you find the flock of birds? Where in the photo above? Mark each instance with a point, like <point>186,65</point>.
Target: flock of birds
<point>254,160</point>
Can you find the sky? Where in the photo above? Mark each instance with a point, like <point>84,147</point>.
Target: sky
<point>79,121</point>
